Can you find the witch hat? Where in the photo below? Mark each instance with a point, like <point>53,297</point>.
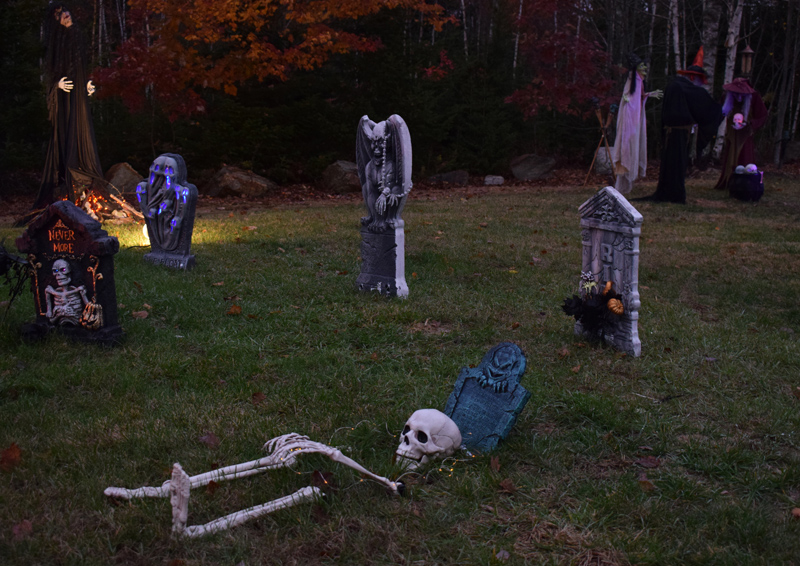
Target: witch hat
<point>696,68</point>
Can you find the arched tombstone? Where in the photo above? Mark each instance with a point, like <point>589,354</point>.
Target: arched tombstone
<point>71,260</point>
<point>168,202</point>
<point>610,231</point>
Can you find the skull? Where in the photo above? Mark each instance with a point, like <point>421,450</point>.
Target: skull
<point>428,434</point>
<point>738,121</point>
<point>61,270</point>
<point>751,168</point>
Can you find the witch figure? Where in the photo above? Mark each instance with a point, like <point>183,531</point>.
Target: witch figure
<point>687,105</point>
<point>746,113</point>
<point>629,153</point>
<point>72,166</point>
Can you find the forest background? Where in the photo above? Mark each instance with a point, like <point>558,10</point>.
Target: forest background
<point>278,86</point>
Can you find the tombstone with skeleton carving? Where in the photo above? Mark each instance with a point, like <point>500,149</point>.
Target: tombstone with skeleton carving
<point>71,261</point>
<point>383,155</point>
<point>168,202</point>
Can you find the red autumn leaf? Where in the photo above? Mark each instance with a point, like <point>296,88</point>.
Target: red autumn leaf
<point>138,286</point>
<point>258,398</point>
<point>210,439</point>
<point>10,457</point>
<point>515,325</point>
<point>140,314</point>
<point>218,284</point>
<point>494,463</point>
<point>22,529</point>
<point>234,310</point>
<point>796,513</point>
<point>648,462</point>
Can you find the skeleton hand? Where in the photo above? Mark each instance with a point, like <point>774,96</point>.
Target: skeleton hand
<point>657,94</point>
<point>380,204</point>
<point>626,97</point>
<point>64,84</point>
<point>90,88</point>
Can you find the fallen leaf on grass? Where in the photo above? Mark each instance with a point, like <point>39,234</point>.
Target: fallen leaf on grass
<point>234,310</point>
<point>648,462</point>
<point>258,397</point>
<point>796,513</point>
<point>211,487</point>
<point>138,286</point>
<point>502,555</point>
<point>646,485</point>
<point>494,463</point>
<point>562,352</point>
<point>482,225</point>
<point>231,298</point>
<point>341,272</point>
<point>22,530</point>
<point>249,228</point>
<point>507,486</point>
<point>146,306</point>
<point>10,457</point>
<point>515,325</point>
<point>796,392</point>
<point>576,369</point>
<point>218,284</point>
<point>210,439</point>
<point>140,314</point>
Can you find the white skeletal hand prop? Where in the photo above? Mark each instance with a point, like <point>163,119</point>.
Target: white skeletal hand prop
<point>427,434</point>
<point>64,84</point>
<point>283,451</point>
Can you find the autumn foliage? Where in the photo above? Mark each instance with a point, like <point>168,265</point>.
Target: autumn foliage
<point>177,49</point>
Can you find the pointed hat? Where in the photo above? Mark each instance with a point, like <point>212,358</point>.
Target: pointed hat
<point>696,68</point>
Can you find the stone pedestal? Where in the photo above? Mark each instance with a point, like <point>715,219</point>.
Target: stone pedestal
<point>177,261</point>
<point>383,266</point>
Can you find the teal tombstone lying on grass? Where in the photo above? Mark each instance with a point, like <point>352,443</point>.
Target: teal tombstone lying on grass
<point>487,399</point>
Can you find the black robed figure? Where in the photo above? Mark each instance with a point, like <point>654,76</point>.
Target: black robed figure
<point>72,165</point>
<point>686,104</point>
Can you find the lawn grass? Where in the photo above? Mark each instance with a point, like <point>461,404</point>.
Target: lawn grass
<point>711,397</point>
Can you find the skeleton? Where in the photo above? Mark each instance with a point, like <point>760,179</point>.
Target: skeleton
<point>738,121</point>
<point>283,451</point>
<point>383,154</point>
<point>65,303</point>
<point>427,434</point>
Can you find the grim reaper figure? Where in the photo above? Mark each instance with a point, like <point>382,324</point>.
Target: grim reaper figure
<point>383,155</point>
<point>72,165</point>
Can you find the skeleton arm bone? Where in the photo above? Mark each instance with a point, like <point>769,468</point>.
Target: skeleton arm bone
<point>48,297</point>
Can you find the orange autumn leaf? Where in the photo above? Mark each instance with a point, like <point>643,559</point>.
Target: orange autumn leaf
<point>234,310</point>
<point>10,457</point>
<point>140,314</point>
<point>494,463</point>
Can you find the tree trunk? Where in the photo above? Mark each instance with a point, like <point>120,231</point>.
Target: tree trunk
<point>791,48</point>
<point>712,11</point>
<point>676,41</point>
<point>516,44</point>
<point>464,24</point>
<point>731,46</point>
<point>653,7</point>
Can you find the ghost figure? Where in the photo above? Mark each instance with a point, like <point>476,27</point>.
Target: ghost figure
<point>64,303</point>
<point>427,434</point>
<point>383,155</point>
<point>165,199</point>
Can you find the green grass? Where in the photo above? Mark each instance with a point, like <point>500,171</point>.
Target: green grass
<point>710,397</point>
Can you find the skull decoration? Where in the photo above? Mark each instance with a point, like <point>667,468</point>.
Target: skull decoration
<point>738,121</point>
<point>61,270</point>
<point>428,434</point>
<point>751,168</point>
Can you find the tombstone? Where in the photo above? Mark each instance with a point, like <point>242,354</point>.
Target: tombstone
<point>610,230</point>
<point>383,156</point>
<point>168,204</point>
<point>487,399</point>
<point>72,275</point>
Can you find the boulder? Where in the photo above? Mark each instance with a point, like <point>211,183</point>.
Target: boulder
<point>124,177</point>
<point>340,178</point>
<point>458,177</point>
<point>530,167</point>
<point>602,164</point>
<point>232,181</point>
<point>493,180</point>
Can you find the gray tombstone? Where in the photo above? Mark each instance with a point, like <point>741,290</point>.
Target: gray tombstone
<point>168,203</point>
<point>383,156</point>
<point>71,260</point>
<point>487,399</point>
<point>610,230</point>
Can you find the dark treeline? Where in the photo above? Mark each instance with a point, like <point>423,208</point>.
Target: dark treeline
<point>478,81</point>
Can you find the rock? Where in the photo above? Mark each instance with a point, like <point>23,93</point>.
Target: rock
<point>530,167</point>
<point>123,177</point>
<point>232,181</point>
<point>602,164</point>
<point>493,180</point>
<point>457,177</point>
<point>340,178</point>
